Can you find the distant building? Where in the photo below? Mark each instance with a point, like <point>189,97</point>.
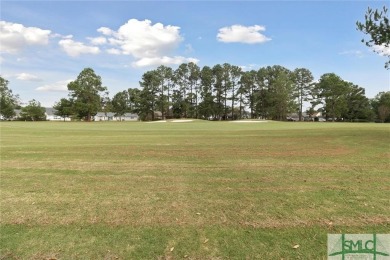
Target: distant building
<point>109,116</point>
<point>100,116</point>
<point>50,115</point>
<point>17,114</point>
<point>305,116</point>
<point>313,117</point>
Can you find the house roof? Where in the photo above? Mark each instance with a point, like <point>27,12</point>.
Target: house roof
<point>103,114</point>
<point>50,111</point>
<point>304,114</point>
<point>130,115</point>
<point>111,114</point>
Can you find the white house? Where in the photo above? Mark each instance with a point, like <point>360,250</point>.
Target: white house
<point>50,116</point>
<point>130,117</point>
<point>109,116</point>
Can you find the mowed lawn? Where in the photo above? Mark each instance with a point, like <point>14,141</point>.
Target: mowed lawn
<point>195,190</point>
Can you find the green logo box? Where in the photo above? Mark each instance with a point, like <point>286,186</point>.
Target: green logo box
<point>358,246</point>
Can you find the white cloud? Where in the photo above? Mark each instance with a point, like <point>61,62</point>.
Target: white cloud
<point>142,39</point>
<point>355,53</point>
<point>59,86</point>
<point>150,44</point>
<point>74,49</point>
<point>105,31</point>
<point>98,40</point>
<point>242,34</point>
<point>15,37</point>
<point>114,51</point>
<point>165,60</point>
<point>27,77</point>
<point>382,50</point>
<point>56,35</point>
<point>250,67</point>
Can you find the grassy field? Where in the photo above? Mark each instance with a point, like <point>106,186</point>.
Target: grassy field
<point>197,190</point>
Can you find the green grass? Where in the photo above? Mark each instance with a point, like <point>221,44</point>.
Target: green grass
<point>199,190</point>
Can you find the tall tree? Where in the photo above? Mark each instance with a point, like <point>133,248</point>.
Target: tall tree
<point>275,92</point>
<point>218,90</point>
<point>381,106</point>
<point>134,100</point>
<point>64,108</point>
<point>261,95</point>
<point>106,103</point>
<point>182,81</point>
<point>85,92</point>
<point>166,87</point>
<point>193,80</point>
<point>241,96</point>
<point>226,87</point>
<point>248,88</point>
<point>332,90</point>
<point>376,25</point>
<point>303,81</point>
<point>8,101</point>
<point>33,111</point>
<point>120,103</point>
<point>207,105</point>
<point>280,93</point>
<point>358,105</point>
<point>178,104</point>
<point>151,82</point>
<point>235,75</point>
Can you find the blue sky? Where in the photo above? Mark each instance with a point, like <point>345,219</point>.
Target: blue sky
<point>46,44</point>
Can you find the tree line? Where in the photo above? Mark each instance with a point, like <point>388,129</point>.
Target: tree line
<point>225,92</point>
<point>221,92</point>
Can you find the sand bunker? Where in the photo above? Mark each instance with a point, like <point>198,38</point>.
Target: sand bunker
<point>159,121</point>
<point>181,121</point>
<point>248,121</point>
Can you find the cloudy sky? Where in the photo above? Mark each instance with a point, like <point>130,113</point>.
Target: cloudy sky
<point>46,44</point>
